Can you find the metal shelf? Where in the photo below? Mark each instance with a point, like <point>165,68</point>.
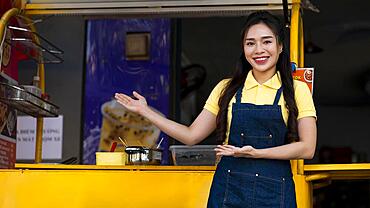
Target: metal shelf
<point>26,102</point>
<point>47,53</point>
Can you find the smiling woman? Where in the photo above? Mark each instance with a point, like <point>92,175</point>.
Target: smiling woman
<point>262,116</point>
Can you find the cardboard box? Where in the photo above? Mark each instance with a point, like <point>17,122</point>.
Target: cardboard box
<point>110,158</point>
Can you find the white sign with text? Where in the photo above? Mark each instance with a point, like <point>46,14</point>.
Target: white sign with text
<point>52,138</point>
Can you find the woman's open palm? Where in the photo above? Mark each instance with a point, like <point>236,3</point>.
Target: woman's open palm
<point>134,105</point>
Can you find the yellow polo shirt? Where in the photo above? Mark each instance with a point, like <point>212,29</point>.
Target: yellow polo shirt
<point>262,94</point>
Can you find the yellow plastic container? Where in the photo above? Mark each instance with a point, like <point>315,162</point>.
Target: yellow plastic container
<point>110,158</point>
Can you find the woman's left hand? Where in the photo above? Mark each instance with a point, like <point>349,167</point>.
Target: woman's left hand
<point>230,150</point>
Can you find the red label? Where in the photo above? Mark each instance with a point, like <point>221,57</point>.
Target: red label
<point>7,153</point>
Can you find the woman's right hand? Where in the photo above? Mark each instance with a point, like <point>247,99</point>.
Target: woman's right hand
<point>203,125</point>
<point>135,105</point>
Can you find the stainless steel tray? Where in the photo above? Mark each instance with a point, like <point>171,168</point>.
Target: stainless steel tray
<point>26,102</point>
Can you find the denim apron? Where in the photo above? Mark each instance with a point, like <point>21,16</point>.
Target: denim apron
<point>254,183</point>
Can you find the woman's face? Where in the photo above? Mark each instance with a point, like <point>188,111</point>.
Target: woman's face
<point>261,48</point>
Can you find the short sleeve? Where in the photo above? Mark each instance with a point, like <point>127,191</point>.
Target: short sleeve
<point>212,101</point>
<point>303,97</point>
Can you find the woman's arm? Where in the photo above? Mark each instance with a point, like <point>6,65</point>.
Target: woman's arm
<point>303,149</point>
<point>203,125</point>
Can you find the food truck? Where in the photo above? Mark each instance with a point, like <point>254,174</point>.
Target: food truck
<point>104,179</point>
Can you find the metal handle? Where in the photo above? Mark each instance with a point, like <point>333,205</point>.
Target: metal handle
<point>319,176</point>
<point>325,177</point>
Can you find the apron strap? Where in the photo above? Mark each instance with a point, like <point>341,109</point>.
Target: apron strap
<point>278,95</point>
<point>238,95</point>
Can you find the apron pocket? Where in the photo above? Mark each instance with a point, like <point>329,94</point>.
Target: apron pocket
<point>258,141</point>
<point>269,192</point>
<point>239,190</point>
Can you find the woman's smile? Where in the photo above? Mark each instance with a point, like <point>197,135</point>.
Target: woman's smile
<point>261,60</point>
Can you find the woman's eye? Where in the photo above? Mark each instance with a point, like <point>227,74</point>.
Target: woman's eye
<point>249,43</point>
<point>267,42</point>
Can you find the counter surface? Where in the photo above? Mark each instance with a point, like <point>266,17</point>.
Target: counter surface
<point>115,167</point>
<point>75,186</point>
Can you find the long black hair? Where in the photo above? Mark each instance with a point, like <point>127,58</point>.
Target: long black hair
<point>243,67</point>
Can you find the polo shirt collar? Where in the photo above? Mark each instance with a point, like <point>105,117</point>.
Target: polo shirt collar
<point>274,82</point>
